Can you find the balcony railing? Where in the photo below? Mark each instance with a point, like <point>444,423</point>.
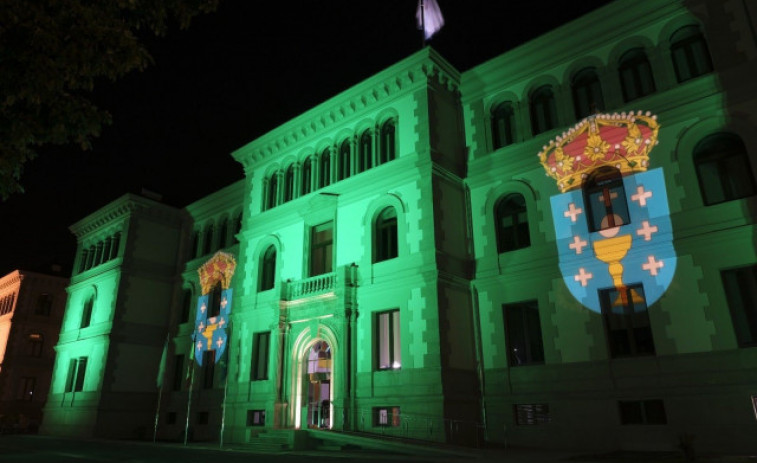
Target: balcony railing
<point>312,286</point>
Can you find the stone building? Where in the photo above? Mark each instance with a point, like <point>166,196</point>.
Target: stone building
<point>397,260</point>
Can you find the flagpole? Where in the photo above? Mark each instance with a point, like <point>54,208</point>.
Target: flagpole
<point>225,386</point>
<point>161,378</point>
<point>189,394</point>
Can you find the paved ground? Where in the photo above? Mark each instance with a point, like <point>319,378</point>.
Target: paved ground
<point>34,449</point>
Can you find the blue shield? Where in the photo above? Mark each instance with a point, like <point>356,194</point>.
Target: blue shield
<point>643,247</point>
<point>210,332</point>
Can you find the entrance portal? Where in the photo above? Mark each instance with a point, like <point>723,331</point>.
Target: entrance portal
<point>318,378</point>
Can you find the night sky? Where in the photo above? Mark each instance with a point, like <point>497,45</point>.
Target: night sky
<point>231,77</point>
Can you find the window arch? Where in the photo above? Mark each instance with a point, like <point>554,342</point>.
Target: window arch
<point>511,219</point>
<point>587,93</point>
<point>605,199</point>
<point>267,269</point>
<point>689,52</point>
<point>635,74</point>
<point>723,169</point>
<point>86,313</point>
<point>325,168</point>
<point>388,142</point>
<point>365,152</point>
<point>543,110</point>
<point>223,233</point>
<point>503,124</point>
<point>385,235</point>
<point>289,183</point>
<point>208,244</point>
<point>345,163</point>
<point>272,192</point>
<point>307,176</point>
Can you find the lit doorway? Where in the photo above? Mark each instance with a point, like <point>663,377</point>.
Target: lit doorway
<point>318,385</point>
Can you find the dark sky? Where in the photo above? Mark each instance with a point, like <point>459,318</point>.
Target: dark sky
<point>232,76</point>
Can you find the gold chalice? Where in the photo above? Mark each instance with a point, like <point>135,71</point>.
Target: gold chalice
<point>611,251</point>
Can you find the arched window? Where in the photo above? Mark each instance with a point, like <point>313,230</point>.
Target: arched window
<point>543,110</point>
<point>273,191</point>
<point>344,160</point>
<point>605,199</point>
<point>86,313</point>
<point>503,125</point>
<point>186,306</point>
<point>214,306</point>
<point>388,142</point>
<point>307,176</point>
<point>83,260</point>
<point>208,243</point>
<point>325,166</point>
<point>196,250</point>
<point>115,245</point>
<point>91,257</point>
<point>385,235</point>
<point>289,183</point>
<point>635,74</point>
<point>723,169</point>
<point>689,53</point>
<point>267,269</point>
<point>44,305</point>
<point>512,223</point>
<point>587,93</point>
<point>365,152</point>
<point>223,233</point>
<point>237,227</point>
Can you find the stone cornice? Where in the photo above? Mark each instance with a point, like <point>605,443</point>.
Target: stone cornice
<point>119,209</point>
<point>417,70</point>
<point>10,280</point>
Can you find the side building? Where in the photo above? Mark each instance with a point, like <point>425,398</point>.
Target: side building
<point>31,310</point>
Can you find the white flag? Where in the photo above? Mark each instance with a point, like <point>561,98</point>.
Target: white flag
<point>429,17</point>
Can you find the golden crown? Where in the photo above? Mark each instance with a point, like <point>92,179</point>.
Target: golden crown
<point>621,140</point>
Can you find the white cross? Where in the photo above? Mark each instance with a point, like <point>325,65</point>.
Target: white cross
<point>221,322</point>
<point>199,345</point>
<point>646,231</point>
<point>219,343</point>
<point>203,307</point>
<point>641,196</point>
<point>200,327</point>
<point>578,244</point>
<point>223,303</point>
<point>652,265</point>
<point>572,212</point>
<point>583,276</point>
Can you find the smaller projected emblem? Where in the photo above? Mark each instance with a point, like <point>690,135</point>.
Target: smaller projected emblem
<point>214,306</point>
<point>612,221</point>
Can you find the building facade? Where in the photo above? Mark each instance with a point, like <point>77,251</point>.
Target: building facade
<point>553,248</point>
<point>31,310</point>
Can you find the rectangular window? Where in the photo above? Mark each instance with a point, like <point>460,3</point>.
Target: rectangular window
<point>531,414</point>
<point>44,305</point>
<point>740,287</point>
<point>255,417</point>
<point>642,412</point>
<point>178,372</point>
<point>388,347</point>
<point>523,330</point>
<point>35,344</point>
<point>76,371</point>
<point>386,416</point>
<point>321,249</point>
<point>208,368</point>
<point>26,390</point>
<point>260,348</point>
<point>626,317</point>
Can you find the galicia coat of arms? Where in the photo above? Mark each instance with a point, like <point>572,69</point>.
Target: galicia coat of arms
<point>612,221</point>
<point>214,306</point>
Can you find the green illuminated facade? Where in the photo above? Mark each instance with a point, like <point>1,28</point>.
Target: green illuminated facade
<point>398,265</point>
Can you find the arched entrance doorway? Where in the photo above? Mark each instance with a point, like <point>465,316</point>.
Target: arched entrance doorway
<point>317,391</point>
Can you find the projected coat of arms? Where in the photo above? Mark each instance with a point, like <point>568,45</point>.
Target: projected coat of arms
<point>612,220</point>
<point>214,306</point>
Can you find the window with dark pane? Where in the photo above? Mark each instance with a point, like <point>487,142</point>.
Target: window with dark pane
<point>740,286</point>
<point>543,110</point>
<point>511,221</point>
<point>503,125</point>
<point>723,169</point>
<point>635,74</point>
<point>386,235</point>
<point>523,331</point>
<point>629,332</point>
<point>690,54</point>
<point>587,93</point>
<point>605,199</point>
